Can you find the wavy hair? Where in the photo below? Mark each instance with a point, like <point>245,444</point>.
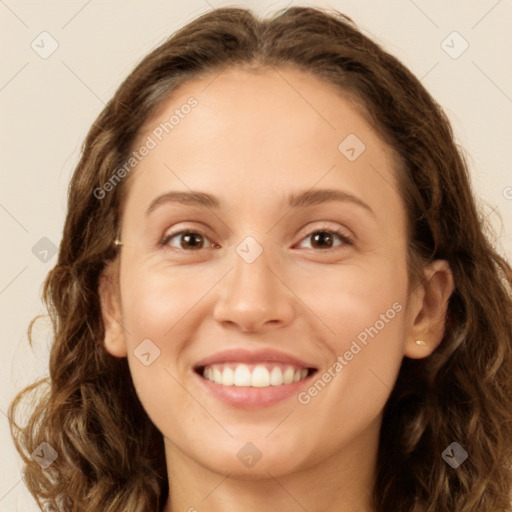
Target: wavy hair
<point>111,456</point>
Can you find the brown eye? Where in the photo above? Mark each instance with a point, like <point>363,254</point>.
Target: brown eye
<point>322,238</point>
<point>187,240</point>
<point>325,239</point>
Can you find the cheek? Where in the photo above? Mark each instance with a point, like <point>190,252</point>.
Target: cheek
<point>363,312</point>
<point>352,300</point>
<point>156,300</point>
<point>158,306</point>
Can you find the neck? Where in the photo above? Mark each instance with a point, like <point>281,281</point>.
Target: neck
<point>342,482</point>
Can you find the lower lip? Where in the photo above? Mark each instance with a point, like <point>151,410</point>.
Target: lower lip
<point>252,398</point>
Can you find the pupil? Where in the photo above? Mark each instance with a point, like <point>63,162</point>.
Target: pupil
<point>188,240</point>
<point>323,237</point>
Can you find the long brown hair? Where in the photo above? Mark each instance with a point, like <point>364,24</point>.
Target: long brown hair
<point>110,455</point>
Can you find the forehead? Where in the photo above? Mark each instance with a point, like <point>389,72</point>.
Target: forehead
<point>252,131</point>
<point>245,96</point>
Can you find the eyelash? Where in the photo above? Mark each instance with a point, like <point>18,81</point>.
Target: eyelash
<point>347,240</point>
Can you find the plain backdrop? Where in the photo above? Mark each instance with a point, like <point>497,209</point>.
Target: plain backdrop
<point>48,102</point>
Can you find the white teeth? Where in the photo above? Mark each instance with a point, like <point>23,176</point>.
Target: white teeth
<point>276,376</point>
<point>242,375</point>
<point>259,377</point>
<point>228,377</point>
<point>288,375</point>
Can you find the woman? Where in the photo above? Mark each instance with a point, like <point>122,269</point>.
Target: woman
<point>273,290</point>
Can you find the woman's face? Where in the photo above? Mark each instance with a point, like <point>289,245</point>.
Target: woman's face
<point>263,165</point>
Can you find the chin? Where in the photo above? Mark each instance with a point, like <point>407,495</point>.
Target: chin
<point>248,463</point>
<point>261,471</point>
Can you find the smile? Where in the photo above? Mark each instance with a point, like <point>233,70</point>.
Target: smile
<point>253,375</point>
<point>250,379</point>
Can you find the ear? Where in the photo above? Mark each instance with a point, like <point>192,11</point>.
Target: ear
<point>427,308</point>
<point>108,289</point>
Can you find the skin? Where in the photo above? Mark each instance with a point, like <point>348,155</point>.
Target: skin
<point>251,150</point>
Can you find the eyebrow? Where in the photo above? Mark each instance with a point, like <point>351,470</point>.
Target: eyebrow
<point>296,200</point>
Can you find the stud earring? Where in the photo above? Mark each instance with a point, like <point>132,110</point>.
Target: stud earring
<point>420,342</point>
<point>118,242</point>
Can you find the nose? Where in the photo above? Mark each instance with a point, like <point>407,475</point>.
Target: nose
<point>254,297</point>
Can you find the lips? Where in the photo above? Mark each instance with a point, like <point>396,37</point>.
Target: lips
<point>263,376</point>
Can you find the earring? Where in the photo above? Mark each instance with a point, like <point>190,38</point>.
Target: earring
<point>420,342</point>
<point>118,242</point>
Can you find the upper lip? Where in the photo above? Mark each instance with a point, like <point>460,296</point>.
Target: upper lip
<point>252,357</point>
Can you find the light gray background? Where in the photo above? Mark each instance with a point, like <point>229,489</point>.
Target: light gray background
<point>47,106</point>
